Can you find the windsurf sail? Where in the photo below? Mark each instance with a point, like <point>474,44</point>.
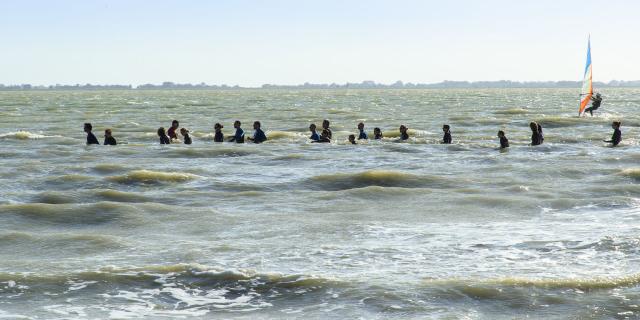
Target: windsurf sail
<point>587,82</point>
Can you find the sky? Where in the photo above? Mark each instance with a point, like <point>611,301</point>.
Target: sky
<point>250,43</point>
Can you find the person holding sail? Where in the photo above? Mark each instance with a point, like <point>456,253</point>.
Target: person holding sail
<point>595,104</point>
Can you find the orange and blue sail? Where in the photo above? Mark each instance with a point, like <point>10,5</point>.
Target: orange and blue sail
<point>587,82</point>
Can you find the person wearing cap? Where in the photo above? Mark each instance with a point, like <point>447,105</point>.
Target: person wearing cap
<point>595,104</point>
<point>218,137</point>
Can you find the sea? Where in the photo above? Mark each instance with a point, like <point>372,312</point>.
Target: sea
<point>290,229</point>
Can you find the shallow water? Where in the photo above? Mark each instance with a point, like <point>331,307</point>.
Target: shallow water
<point>290,229</point>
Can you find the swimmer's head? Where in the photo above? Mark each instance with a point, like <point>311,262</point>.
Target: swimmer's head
<point>175,124</point>
<point>88,127</point>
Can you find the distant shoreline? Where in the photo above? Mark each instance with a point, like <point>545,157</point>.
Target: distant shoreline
<point>504,84</point>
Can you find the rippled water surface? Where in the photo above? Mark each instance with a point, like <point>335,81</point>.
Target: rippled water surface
<point>291,229</point>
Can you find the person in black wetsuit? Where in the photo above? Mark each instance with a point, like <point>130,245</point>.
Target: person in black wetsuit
<point>185,134</point>
<point>377,133</point>
<point>324,137</point>
<point>504,142</point>
<point>218,136</point>
<point>91,138</point>
<point>352,138</point>
<point>362,134</point>
<point>536,134</point>
<point>238,137</point>
<point>617,134</point>
<point>258,134</point>
<point>109,140</point>
<point>314,134</point>
<point>595,104</point>
<point>404,135</point>
<point>325,126</point>
<point>446,139</point>
<point>163,136</point>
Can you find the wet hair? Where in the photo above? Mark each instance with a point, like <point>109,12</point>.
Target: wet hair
<point>313,125</point>
<point>107,131</point>
<point>361,124</point>
<point>376,129</point>
<point>325,121</point>
<point>257,123</point>
<point>617,124</point>
<point>352,137</point>
<point>446,126</point>
<point>175,122</point>
<point>161,131</point>
<point>88,125</point>
<point>501,133</point>
<point>238,122</point>
<point>218,125</point>
<point>325,132</point>
<point>534,126</point>
<point>184,130</point>
<point>402,126</point>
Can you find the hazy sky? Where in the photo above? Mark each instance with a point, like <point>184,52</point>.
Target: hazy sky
<point>289,42</point>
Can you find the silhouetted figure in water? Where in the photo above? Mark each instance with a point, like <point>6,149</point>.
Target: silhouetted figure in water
<point>352,139</point>
<point>258,134</point>
<point>404,135</point>
<point>185,134</point>
<point>446,139</point>
<point>238,137</point>
<point>536,134</point>
<point>172,131</point>
<point>109,140</point>
<point>325,126</point>
<point>324,137</point>
<point>218,136</point>
<point>504,142</point>
<point>617,134</point>
<point>91,138</point>
<point>362,134</point>
<point>314,135</point>
<point>164,139</point>
<point>377,133</point>
<point>596,101</point>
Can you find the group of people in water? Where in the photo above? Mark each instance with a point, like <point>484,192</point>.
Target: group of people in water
<point>167,136</point>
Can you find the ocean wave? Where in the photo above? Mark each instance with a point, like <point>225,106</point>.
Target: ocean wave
<point>96,213</point>
<point>109,168</point>
<point>215,151</point>
<point>477,287</point>
<point>148,176</point>
<point>512,111</point>
<point>381,178</point>
<point>633,173</point>
<point>23,135</point>
<point>56,242</point>
<point>284,135</point>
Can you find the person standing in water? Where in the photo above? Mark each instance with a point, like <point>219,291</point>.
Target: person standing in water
<point>109,140</point>
<point>617,134</point>
<point>504,142</point>
<point>404,135</point>
<point>91,138</point>
<point>596,101</point>
<point>536,134</point>
<point>362,134</point>
<point>172,131</point>
<point>446,139</point>
<point>314,134</point>
<point>218,136</point>
<point>164,139</point>
<point>238,137</point>
<point>185,134</point>
<point>352,139</point>
<point>258,134</point>
<point>324,137</point>
<point>377,133</point>
<point>325,126</point>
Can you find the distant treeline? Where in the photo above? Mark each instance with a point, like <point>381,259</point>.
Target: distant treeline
<point>361,85</point>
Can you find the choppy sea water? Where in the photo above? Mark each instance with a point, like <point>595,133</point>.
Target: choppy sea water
<point>291,229</point>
